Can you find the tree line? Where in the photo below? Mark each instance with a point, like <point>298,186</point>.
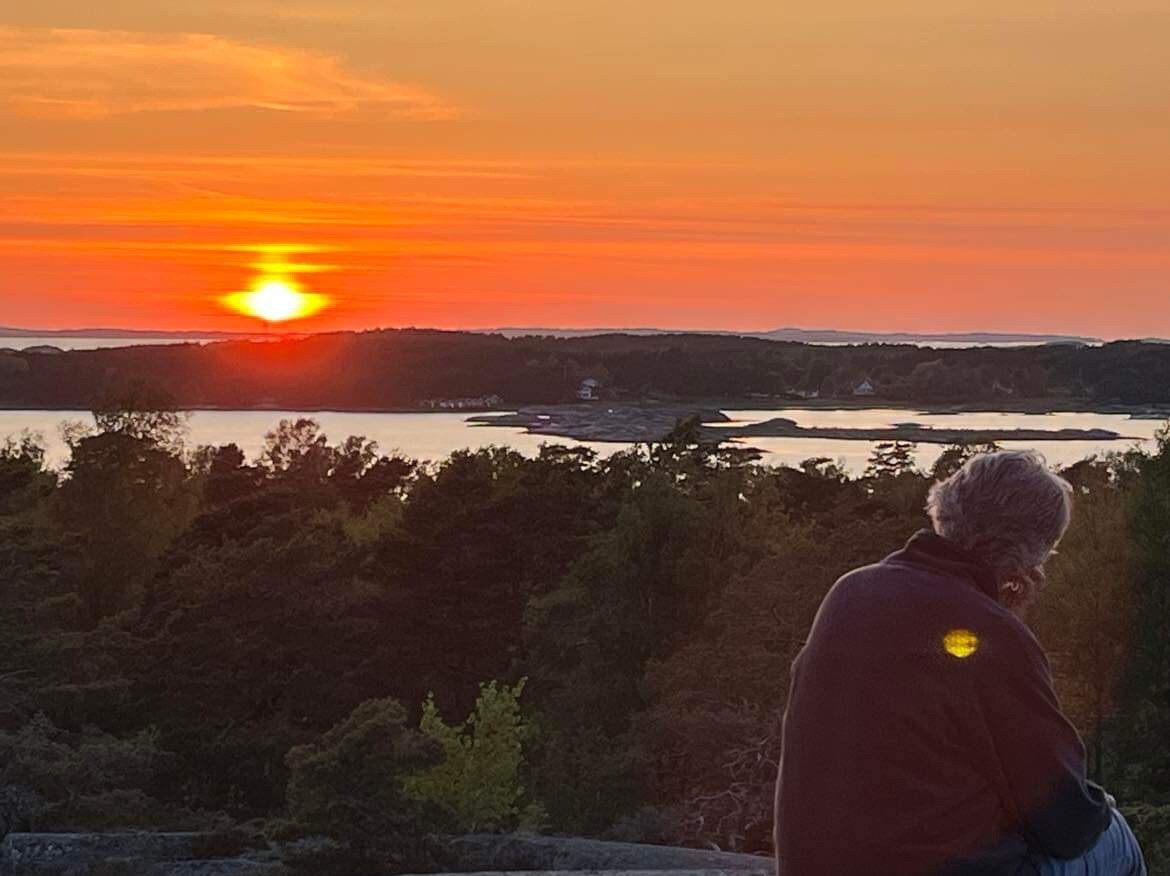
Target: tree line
<point>329,641</point>
<point>381,370</point>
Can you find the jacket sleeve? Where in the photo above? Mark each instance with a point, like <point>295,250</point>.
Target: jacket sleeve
<point>1039,755</point>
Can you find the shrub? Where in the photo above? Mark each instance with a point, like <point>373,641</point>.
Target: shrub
<point>480,783</point>
<point>349,786</point>
<point>55,780</point>
<point>1151,826</point>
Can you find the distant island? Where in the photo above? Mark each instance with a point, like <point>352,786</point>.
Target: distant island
<point>425,370</point>
<point>118,333</point>
<point>629,423</point>
<point>825,336</point>
<point>798,335</point>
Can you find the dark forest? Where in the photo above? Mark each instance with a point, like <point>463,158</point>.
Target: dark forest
<point>293,645</point>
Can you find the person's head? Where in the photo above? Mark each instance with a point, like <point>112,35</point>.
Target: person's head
<point>1007,509</point>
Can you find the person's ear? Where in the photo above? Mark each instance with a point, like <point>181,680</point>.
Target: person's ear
<point>1035,578</point>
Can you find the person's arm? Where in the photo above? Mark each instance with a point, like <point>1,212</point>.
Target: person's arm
<point>1038,751</point>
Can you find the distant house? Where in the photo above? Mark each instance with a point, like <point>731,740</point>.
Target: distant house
<point>590,390</point>
<point>864,388</point>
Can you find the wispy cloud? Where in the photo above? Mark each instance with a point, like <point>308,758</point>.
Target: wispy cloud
<point>51,72</point>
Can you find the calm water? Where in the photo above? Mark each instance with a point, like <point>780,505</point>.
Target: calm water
<point>434,436</point>
<point>854,454</point>
<point>23,343</point>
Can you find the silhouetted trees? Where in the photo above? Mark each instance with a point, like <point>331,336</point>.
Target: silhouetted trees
<point>382,370</point>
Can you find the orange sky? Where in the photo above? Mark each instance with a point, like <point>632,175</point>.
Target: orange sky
<point>905,165</point>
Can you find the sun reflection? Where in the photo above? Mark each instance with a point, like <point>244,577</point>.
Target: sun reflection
<point>960,643</point>
<point>275,295</point>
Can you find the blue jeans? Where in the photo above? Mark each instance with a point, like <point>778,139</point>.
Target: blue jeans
<point>1115,854</point>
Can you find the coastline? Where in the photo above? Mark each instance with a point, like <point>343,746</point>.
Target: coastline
<point>639,423</point>
<point>1027,406</point>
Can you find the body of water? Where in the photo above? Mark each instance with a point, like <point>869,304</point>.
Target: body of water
<point>434,436</point>
<point>419,436</point>
<point>854,454</point>
<point>23,343</point>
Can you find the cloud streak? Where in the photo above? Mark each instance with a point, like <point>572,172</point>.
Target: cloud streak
<point>72,73</point>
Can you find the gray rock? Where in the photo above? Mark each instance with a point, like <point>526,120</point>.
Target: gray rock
<point>492,852</point>
<point>122,854</point>
<point>222,867</point>
<point>598,873</point>
<point>189,854</point>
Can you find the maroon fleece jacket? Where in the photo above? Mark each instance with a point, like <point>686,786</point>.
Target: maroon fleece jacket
<point>922,734</point>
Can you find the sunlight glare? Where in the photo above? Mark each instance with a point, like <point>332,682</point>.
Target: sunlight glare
<point>276,299</point>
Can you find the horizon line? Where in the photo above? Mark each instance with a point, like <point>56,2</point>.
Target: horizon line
<point>110,332</point>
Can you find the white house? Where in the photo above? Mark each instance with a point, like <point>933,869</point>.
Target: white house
<point>589,390</point>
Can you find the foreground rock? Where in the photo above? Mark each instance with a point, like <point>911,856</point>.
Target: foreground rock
<point>193,854</point>
<point>131,854</point>
<point>517,852</point>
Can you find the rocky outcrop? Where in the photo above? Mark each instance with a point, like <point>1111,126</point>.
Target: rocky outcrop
<point>604,422</point>
<point>511,852</point>
<point>128,854</point>
<point>192,854</point>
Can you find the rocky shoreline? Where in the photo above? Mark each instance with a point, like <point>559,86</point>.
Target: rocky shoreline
<point>781,427</point>
<point>629,423</point>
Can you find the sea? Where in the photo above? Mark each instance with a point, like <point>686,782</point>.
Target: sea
<point>434,436</point>
<point>23,342</point>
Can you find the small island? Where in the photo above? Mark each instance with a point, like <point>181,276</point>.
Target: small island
<point>631,423</point>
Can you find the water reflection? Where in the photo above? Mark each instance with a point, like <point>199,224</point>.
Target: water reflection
<point>434,436</point>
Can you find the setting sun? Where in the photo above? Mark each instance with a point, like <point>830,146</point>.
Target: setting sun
<point>276,299</point>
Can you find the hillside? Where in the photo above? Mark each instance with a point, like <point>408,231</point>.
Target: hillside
<point>398,369</point>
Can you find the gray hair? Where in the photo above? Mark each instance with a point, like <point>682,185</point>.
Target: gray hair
<point>1006,508</point>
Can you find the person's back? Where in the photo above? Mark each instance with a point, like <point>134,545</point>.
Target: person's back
<point>922,734</point>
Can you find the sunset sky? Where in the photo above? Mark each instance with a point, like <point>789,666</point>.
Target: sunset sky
<point>744,164</point>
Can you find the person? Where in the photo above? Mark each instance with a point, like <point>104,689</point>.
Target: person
<point>922,734</point>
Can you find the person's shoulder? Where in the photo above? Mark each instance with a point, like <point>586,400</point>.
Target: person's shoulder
<point>1016,643</point>
<point>861,574</point>
<point>854,582</point>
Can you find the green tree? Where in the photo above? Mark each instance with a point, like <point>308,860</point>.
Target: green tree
<point>1085,616</point>
<point>954,456</point>
<point>1146,722</point>
<point>144,414</point>
<point>123,500</point>
<point>55,780</point>
<point>480,783</point>
<point>710,728</point>
<point>30,557</point>
<point>891,459</point>
<point>351,786</point>
<point>24,480</point>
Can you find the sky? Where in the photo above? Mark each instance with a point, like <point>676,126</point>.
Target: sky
<point>910,165</point>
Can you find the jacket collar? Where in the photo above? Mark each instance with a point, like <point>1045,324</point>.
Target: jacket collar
<point>929,550</point>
